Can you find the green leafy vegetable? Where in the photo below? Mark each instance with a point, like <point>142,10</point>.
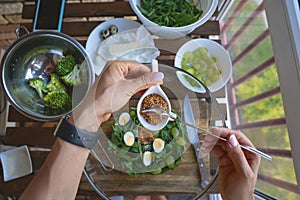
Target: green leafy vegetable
<point>171,13</point>
<point>72,78</point>
<point>58,100</point>
<point>55,84</point>
<point>57,97</point>
<point>65,65</point>
<point>131,158</point>
<point>38,85</point>
<point>56,93</point>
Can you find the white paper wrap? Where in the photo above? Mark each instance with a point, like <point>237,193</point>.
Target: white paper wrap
<point>132,45</point>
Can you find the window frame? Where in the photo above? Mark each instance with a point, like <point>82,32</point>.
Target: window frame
<point>283,19</point>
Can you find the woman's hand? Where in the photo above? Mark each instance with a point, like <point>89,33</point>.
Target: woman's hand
<point>237,168</point>
<point>111,91</point>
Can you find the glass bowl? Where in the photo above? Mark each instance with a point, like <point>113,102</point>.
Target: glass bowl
<point>113,168</point>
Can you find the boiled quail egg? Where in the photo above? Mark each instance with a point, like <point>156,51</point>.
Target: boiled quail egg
<point>113,29</point>
<point>147,158</point>
<point>158,145</point>
<point>129,138</point>
<point>124,119</point>
<point>104,34</point>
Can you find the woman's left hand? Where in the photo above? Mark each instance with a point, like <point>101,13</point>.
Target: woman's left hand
<point>238,168</point>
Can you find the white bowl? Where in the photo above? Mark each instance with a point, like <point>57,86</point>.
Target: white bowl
<point>216,50</point>
<point>156,89</point>
<point>208,6</point>
<point>16,163</point>
<point>94,38</point>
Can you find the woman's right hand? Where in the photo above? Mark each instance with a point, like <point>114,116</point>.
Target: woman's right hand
<point>112,90</point>
<point>238,168</point>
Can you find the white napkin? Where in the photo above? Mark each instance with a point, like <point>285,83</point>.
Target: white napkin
<point>132,45</point>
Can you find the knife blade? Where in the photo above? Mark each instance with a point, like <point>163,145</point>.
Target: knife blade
<point>194,139</point>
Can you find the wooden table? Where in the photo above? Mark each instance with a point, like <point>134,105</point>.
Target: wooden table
<point>79,21</point>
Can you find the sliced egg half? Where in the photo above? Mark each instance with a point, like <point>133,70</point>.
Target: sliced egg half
<point>124,119</point>
<point>147,158</point>
<point>129,138</point>
<point>158,145</point>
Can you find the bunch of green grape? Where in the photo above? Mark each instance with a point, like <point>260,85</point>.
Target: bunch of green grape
<point>201,65</point>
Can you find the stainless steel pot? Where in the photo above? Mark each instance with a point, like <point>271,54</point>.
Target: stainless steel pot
<point>27,57</point>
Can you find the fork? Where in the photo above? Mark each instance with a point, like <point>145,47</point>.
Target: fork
<point>158,110</point>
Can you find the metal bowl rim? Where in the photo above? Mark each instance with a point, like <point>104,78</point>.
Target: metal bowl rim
<point>28,37</point>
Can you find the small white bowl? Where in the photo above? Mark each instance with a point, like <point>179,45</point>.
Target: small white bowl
<point>208,6</point>
<point>156,89</point>
<point>16,163</point>
<point>216,50</point>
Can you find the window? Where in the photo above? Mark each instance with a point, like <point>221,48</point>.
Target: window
<point>259,101</point>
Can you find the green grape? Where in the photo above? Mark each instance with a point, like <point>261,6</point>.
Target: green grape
<point>195,60</point>
<point>192,82</point>
<point>199,77</point>
<point>202,50</point>
<point>197,66</point>
<point>201,65</point>
<point>185,67</point>
<point>210,72</point>
<point>210,61</point>
<point>156,171</point>
<point>215,77</point>
<point>203,68</point>
<point>132,113</point>
<point>197,54</point>
<point>191,70</point>
<point>188,55</point>
<point>184,61</point>
<point>180,141</point>
<point>174,132</point>
<point>208,82</point>
<point>170,162</point>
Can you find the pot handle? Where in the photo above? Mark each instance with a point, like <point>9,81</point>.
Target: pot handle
<point>18,30</point>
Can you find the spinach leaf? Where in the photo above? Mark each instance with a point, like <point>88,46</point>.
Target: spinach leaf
<point>131,158</point>
<point>171,13</point>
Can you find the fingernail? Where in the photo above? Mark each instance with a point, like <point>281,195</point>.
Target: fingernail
<point>157,76</point>
<point>233,141</point>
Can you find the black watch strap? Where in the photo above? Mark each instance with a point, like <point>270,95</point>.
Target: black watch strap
<point>74,135</point>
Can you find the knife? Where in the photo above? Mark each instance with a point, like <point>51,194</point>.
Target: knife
<point>194,139</point>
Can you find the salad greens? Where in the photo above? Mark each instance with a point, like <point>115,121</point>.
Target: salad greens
<point>131,157</point>
<point>171,13</point>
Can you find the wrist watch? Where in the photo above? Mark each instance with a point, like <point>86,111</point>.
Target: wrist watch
<point>76,136</point>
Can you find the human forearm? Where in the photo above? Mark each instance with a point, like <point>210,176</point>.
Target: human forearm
<point>60,175</point>
<point>62,167</point>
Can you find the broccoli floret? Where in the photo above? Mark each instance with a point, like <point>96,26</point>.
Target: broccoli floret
<point>58,100</point>
<point>37,84</point>
<point>55,84</point>
<point>65,65</point>
<point>72,78</point>
<point>44,89</point>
